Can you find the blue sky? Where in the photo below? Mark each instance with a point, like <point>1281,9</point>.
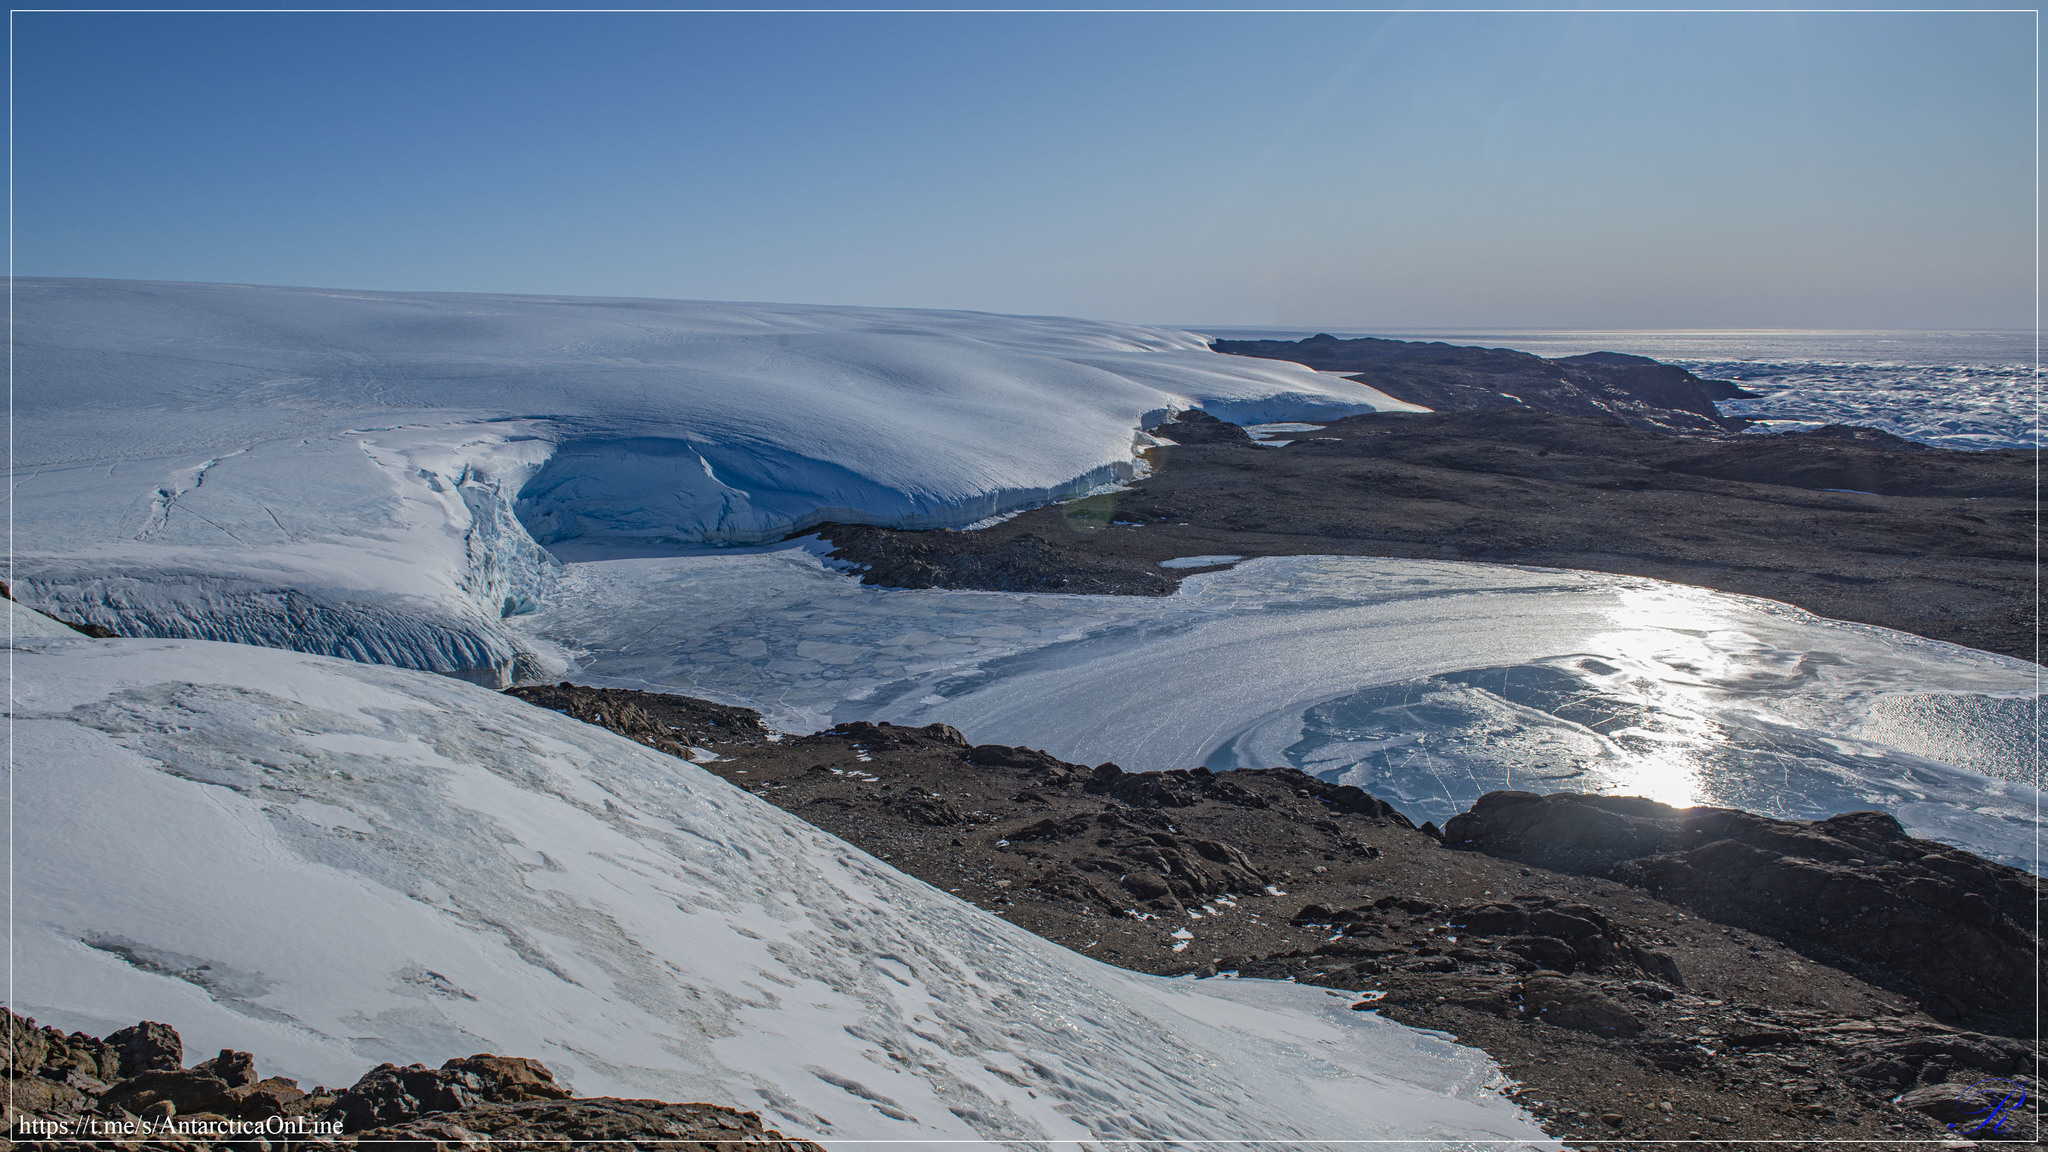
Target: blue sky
<point>1656,170</point>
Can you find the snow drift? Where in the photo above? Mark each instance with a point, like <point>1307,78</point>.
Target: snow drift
<point>332,864</point>
<point>367,474</point>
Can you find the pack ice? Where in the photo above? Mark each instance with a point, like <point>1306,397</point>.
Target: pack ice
<point>374,475</point>
<point>333,864</point>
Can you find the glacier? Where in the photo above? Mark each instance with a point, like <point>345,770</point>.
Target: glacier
<point>330,864</point>
<point>388,476</point>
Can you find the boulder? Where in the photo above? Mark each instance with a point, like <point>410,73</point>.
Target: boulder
<point>1544,952</point>
<point>1491,919</point>
<point>389,1094</point>
<point>235,1069</point>
<point>147,1047</point>
<point>1977,1107</point>
<point>510,1079</point>
<point>186,1090</point>
<point>1576,1005</point>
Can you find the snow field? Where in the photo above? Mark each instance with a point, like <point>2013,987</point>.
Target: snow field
<point>331,864</point>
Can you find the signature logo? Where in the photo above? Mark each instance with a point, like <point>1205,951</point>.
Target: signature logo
<point>1985,1105</point>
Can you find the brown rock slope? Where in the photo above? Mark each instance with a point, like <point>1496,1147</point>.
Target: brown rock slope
<point>1625,1011</point>
<point>1930,541</point>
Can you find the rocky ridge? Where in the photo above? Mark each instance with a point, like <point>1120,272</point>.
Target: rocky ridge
<point>1953,930</point>
<point>1610,386</point>
<point>130,1091</point>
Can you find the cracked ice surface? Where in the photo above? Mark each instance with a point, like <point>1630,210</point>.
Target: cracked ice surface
<point>1427,683</point>
<point>333,864</point>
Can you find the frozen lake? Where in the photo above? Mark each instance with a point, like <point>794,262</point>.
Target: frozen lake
<point>1426,683</point>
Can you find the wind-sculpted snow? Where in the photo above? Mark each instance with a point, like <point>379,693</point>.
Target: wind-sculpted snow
<point>333,864</point>
<point>393,458</point>
<point>1426,683</point>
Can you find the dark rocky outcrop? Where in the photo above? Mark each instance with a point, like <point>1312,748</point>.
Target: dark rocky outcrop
<point>671,724</point>
<point>135,1073</point>
<point>1951,928</point>
<point>1945,547</point>
<point>389,1094</point>
<point>59,1084</point>
<point>1025,563</point>
<point>1632,390</point>
<point>1526,934</point>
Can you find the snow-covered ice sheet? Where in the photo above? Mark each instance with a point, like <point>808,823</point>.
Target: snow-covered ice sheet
<point>367,474</point>
<point>1427,683</point>
<point>331,864</point>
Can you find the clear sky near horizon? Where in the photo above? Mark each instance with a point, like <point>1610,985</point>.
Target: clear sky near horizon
<point>1349,170</point>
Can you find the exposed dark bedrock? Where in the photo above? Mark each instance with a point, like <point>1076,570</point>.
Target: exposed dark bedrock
<point>1927,540</point>
<point>1936,922</point>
